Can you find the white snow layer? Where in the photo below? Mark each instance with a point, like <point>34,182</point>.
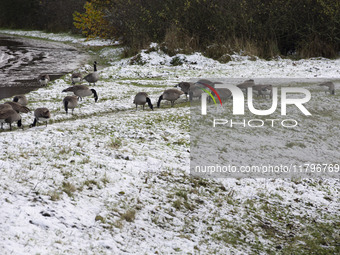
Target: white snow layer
<point>110,179</point>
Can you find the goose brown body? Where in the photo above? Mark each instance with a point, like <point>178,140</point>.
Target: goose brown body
<point>224,93</point>
<point>170,95</point>
<point>208,82</point>
<point>246,84</point>
<point>9,116</point>
<point>141,99</point>
<point>82,91</point>
<point>185,87</point>
<point>41,114</point>
<point>263,90</point>
<point>70,102</point>
<point>5,107</point>
<point>18,107</point>
<point>76,77</point>
<point>329,86</point>
<point>92,77</point>
<point>43,79</point>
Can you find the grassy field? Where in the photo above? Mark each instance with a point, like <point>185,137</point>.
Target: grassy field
<point>111,179</point>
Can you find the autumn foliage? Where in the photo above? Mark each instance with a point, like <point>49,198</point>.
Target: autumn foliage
<point>264,28</point>
<point>92,22</point>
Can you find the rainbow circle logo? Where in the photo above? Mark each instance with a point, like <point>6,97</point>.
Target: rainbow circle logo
<point>209,93</point>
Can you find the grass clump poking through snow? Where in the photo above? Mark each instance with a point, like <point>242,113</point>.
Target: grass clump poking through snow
<point>68,188</point>
<point>55,195</point>
<point>129,215</point>
<point>115,143</point>
<point>100,218</point>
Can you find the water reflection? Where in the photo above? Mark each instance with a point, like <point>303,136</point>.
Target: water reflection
<point>22,60</point>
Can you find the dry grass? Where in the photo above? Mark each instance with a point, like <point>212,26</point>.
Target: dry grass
<point>176,41</point>
<point>316,47</point>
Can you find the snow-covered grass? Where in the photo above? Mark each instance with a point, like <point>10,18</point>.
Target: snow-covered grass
<point>263,140</point>
<point>60,37</point>
<point>111,179</point>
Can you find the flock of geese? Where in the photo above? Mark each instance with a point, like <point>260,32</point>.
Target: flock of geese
<point>194,90</point>
<point>10,111</point>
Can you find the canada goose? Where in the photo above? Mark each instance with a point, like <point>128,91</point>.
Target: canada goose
<point>245,85</point>
<point>263,90</point>
<point>205,81</point>
<point>43,79</point>
<point>41,114</point>
<point>171,95</point>
<point>224,93</point>
<point>195,91</point>
<point>329,87</point>
<point>18,107</point>
<point>21,99</point>
<point>9,116</point>
<point>76,77</point>
<point>82,91</point>
<point>70,102</point>
<point>92,77</point>
<point>185,87</point>
<point>141,99</point>
<point>4,107</point>
<point>268,90</point>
